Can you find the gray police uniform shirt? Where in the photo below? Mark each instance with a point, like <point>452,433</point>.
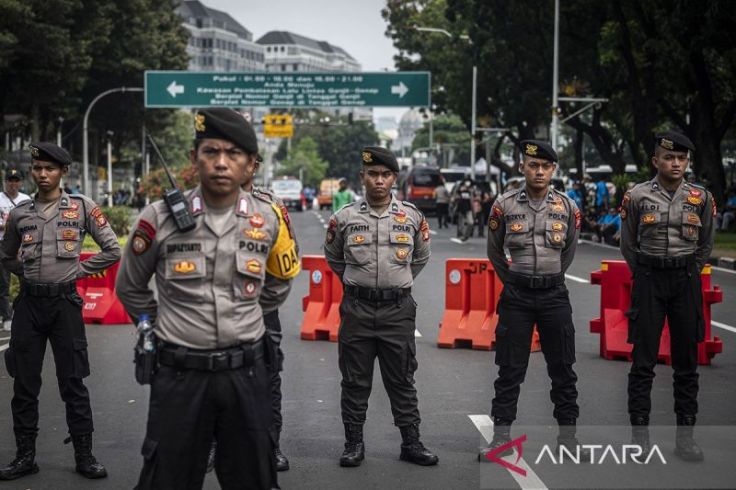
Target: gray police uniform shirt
<point>273,296</point>
<point>657,224</point>
<point>208,283</point>
<point>541,240</point>
<point>377,251</point>
<point>50,245</point>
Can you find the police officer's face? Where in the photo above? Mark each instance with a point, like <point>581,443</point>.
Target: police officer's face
<point>47,175</point>
<point>537,172</point>
<point>671,165</point>
<point>222,166</point>
<point>378,180</point>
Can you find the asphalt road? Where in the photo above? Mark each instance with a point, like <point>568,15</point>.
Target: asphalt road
<point>455,391</point>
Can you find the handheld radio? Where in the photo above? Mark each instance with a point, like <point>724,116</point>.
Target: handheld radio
<point>174,198</point>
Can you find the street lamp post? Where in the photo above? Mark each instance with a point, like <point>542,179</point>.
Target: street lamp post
<point>474,96</point>
<point>555,79</point>
<point>85,136</point>
<point>109,169</point>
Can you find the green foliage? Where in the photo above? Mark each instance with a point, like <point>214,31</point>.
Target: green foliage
<point>119,218</point>
<point>305,157</point>
<point>156,182</point>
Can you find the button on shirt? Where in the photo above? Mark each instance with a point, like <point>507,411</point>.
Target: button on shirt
<point>541,238</point>
<point>656,223</point>
<point>208,279</point>
<point>378,251</point>
<point>49,236</point>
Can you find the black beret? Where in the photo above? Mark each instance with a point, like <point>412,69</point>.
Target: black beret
<point>12,172</point>
<point>49,152</point>
<point>375,155</point>
<point>538,149</point>
<point>671,140</point>
<point>226,124</point>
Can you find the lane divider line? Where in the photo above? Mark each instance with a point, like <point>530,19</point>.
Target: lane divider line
<point>577,279</point>
<point>416,333</point>
<point>3,347</point>
<point>531,481</point>
<point>723,326</point>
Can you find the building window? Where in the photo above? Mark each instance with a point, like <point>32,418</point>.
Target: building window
<point>296,66</point>
<point>268,49</point>
<point>282,49</point>
<point>283,67</point>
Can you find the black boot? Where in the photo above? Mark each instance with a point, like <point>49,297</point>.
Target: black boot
<point>282,464</point>
<point>211,457</point>
<point>640,433</point>
<point>24,462</point>
<point>412,449</point>
<point>354,452</point>
<point>685,446</point>
<point>566,438</point>
<point>501,436</point>
<point>87,464</point>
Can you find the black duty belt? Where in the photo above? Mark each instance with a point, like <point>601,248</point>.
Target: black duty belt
<point>48,290</point>
<point>243,355</point>
<point>536,282</point>
<point>372,294</point>
<point>665,262</point>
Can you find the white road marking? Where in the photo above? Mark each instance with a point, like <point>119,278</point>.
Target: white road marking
<point>723,326</point>
<point>577,279</point>
<point>484,424</point>
<point>721,269</point>
<point>432,232</point>
<point>416,333</point>
<point>3,347</point>
<point>456,240</point>
<point>324,225</point>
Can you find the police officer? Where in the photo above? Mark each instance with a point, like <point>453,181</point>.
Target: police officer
<point>540,228</point>
<point>377,246</point>
<point>49,231</point>
<point>666,237</point>
<point>215,360</point>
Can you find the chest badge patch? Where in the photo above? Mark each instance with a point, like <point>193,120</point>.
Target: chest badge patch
<point>556,237</point>
<point>255,234</point>
<point>557,226</point>
<point>69,246</point>
<point>693,218</point>
<point>140,244</point>
<point>358,239</point>
<point>257,221</point>
<point>402,238</point>
<point>185,267</point>
<point>69,234</point>
<point>70,214</point>
<point>402,253</point>
<point>27,238</point>
<point>253,266</point>
<point>648,219</point>
<point>695,201</point>
<point>516,227</point>
<point>400,218</point>
<point>695,193</point>
<point>250,289</point>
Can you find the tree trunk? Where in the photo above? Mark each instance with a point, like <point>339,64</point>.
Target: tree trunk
<point>579,136</point>
<point>35,123</point>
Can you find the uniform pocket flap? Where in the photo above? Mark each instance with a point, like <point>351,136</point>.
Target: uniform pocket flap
<point>556,225</point>
<point>358,239</point>
<point>691,219</point>
<point>249,265</point>
<point>401,238</point>
<point>181,267</point>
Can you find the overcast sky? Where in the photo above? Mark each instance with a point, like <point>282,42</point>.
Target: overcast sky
<point>354,25</point>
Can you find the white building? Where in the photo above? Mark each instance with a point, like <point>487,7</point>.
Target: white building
<point>218,42</point>
<point>286,51</point>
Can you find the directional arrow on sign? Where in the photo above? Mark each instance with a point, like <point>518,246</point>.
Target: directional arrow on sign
<point>175,89</point>
<point>400,89</point>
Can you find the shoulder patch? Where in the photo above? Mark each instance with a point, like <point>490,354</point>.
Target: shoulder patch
<point>262,196</point>
<point>408,204</point>
<point>27,202</point>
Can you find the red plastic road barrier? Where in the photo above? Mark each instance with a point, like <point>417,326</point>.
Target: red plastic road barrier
<point>472,289</point>
<point>613,326</point>
<point>101,304</point>
<point>321,306</point>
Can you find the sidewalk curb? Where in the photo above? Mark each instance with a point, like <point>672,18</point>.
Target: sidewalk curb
<point>722,262</point>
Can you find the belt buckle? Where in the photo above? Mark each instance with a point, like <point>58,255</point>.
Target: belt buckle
<point>536,282</point>
<point>372,295</point>
<point>218,360</point>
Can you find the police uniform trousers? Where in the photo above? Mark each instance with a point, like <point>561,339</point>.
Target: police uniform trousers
<point>676,294</point>
<point>383,329</point>
<point>188,406</point>
<point>520,308</point>
<point>58,320</point>
<point>273,330</point>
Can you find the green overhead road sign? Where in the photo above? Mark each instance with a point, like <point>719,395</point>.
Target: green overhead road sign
<point>260,89</point>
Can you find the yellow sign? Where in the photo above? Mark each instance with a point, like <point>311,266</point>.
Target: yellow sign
<point>278,126</point>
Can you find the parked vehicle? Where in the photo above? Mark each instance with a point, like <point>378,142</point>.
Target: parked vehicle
<point>454,175</point>
<point>289,190</point>
<point>326,189</point>
<point>418,188</point>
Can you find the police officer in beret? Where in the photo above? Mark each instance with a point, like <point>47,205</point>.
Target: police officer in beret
<point>48,231</point>
<point>271,300</point>
<point>540,228</point>
<point>10,197</point>
<point>215,359</point>
<point>377,246</point>
<point>666,238</point>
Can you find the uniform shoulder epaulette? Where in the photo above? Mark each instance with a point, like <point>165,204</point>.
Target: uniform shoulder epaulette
<point>27,202</point>
<point>264,196</point>
<point>508,194</point>
<point>699,186</point>
<point>407,203</point>
<point>345,206</point>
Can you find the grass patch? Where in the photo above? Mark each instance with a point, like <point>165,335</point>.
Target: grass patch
<point>89,244</point>
<point>725,245</point>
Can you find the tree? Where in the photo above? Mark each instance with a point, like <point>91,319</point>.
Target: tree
<point>450,134</point>
<point>304,160</point>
